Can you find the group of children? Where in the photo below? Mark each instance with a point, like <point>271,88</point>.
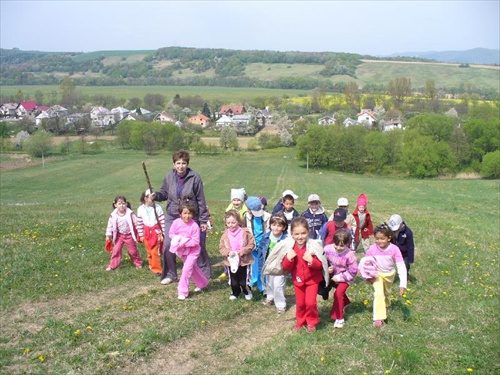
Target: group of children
<point>260,249</point>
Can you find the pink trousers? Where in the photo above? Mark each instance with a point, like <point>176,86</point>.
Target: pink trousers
<point>191,270</point>
<point>116,254</point>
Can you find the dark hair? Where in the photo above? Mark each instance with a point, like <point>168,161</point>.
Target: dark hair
<point>288,197</point>
<point>232,213</point>
<point>384,229</point>
<point>121,197</point>
<point>181,155</point>
<point>342,237</point>
<point>280,219</point>
<point>298,222</point>
<point>189,206</point>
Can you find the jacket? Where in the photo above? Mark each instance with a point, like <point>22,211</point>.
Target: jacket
<point>274,262</point>
<point>315,221</point>
<point>112,228</point>
<point>193,189</point>
<point>262,249</point>
<point>404,240</point>
<point>367,229</point>
<point>345,264</point>
<point>245,253</point>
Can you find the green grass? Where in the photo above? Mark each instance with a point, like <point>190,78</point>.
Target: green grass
<point>62,313</point>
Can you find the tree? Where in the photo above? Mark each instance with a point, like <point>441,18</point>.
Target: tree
<point>39,96</point>
<point>430,89</point>
<point>439,127</point>
<point>352,96</point>
<point>68,92</point>
<point>154,101</point>
<point>399,89</point>
<point>206,110</point>
<point>134,103</point>
<point>39,144</point>
<point>490,167</point>
<point>228,138</point>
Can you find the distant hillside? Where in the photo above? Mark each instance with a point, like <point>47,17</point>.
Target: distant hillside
<point>471,56</point>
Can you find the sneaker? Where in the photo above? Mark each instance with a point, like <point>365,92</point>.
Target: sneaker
<point>339,323</point>
<point>138,267</point>
<point>180,297</point>
<point>248,296</point>
<point>280,310</point>
<point>311,329</point>
<point>378,323</point>
<point>298,328</point>
<point>166,281</point>
<point>197,290</point>
<point>109,269</point>
<point>268,302</point>
<point>232,297</point>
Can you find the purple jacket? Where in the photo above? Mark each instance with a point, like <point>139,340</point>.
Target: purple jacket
<point>345,264</point>
<point>192,189</point>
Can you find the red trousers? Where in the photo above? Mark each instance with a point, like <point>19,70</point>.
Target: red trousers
<point>340,300</point>
<point>306,310</point>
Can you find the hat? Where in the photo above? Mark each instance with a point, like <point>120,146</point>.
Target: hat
<point>238,194</point>
<point>313,198</point>
<point>255,205</point>
<point>342,202</point>
<point>339,214</point>
<point>362,200</point>
<point>395,221</point>
<point>289,192</point>
<point>148,192</point>
<point>263,200</point>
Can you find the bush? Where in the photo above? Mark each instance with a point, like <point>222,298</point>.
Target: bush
<point>39,144</point>
<point>490,167</point>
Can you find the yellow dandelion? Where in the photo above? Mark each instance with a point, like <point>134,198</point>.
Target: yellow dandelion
<point>469,369</point>
<point>41,357</point>
<point>77,332</point>
<point>56,275</point>
<point>203,322</point>
<point>27,350</point>
<point>89,328</point>
<point>387,371</point>
<point>322,359</point>
<point>127,341</point>
<point>365,302</point>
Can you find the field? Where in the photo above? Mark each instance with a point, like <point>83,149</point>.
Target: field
<point>62,313</point>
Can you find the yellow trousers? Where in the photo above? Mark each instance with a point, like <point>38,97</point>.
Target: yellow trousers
<point>382,293</point>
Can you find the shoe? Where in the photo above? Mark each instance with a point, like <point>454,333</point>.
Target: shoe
<point>281,310</point>
<point>180,297</point>
<point>311,329</point>
<point>339,323</point>
<point>222,276</point>
<point>298,328</point>
<point>378,323</point>
<point>249,296</point>
<point>232,297</point>
<point>197,290</point>
<point>166,281</point>
<point>109,269</point>
<point>268,302</point>
<point>138,267</point>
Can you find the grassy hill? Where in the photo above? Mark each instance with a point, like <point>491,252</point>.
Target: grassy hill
<point>63,313</point>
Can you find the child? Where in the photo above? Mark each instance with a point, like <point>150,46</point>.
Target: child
<point>263,200</point>
<point>343,269</point>
<point>338,222</point>
<point>150,227</point>
<point>121,229</point>
<point>185,242</point>
<point>387,259</point>
<point>235,246</point>
<point>306,260</point>
<point>364,224</point>
<point>257,220</point>
<point>279,206</point>
<point>402,236</point>
<point>288,210</point>
<point>275,284</point>
<point>342,202</point>
<point>315,215</point>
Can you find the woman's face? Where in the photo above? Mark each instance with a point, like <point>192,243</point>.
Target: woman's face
<point>180,167</point>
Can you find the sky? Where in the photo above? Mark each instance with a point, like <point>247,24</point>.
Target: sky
<point>374,27</point>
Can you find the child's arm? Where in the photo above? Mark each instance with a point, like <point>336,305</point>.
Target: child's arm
<point>109,228</point>
<point>250,243</point>
<point>223,246</point>
<point>194,239</point>
<point>350,273</point>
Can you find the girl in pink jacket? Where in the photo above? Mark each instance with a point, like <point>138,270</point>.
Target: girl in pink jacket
<point>184,236</point>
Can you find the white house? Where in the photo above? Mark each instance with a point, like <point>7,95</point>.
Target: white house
<point>391,125</point>
<point>102,117</point>
<point>350,122</point>
<point>120,113</point>
<point>326,120</point>
<point>224,121</point>
<point>165,117</point>
<point>366,117</point>
<point>8,109</point>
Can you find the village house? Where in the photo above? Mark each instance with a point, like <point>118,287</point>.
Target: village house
<point>56,111</point>
<point>366,117</point>
<point>165,117</point>
<point>230,110</point>
<point>200,119</point>
<point>8,109</point>
<point>326,120</point>
<point>101,117</point>
<point>264,117</point>
<point>350,122</point>
<point>27,108</point>
<point>391,125</point>
<point>119,113</point>
<point>224,121</point>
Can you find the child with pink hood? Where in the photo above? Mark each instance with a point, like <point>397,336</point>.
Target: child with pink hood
<point>364,224</point>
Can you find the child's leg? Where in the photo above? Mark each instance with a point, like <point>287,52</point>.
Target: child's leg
<point>154,259</point>
<point>235,283</point>
<point>243,279</point>
<point>381,286</point>
<point>312,315</point>
<point>116,254</point>
<point>300,305</point>
<point>279,292</point>
<point>340,300</point>
<point>255,275</point>
<point>187,271</point>
<point>135,257</point>
<point>199,277</point>
<point>269,288</point>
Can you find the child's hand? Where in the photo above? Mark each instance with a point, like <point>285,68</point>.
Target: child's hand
<point>370,281</point>
<point>141,239</point>
<point>231,254</point>
<point>330,269</point>
<point>307,257</point>
<point>402,291</point>
<point>291,254</point>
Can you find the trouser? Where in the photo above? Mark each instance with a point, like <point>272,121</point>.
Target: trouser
<point>340,300</point>
<point>190,270</point>
<point>382,294</point>
<point>116,254</point>
<point>275,290</point>
<point>239,281</point>
<point>306,310</point>
<point>154,259</point>
<point>255,274</point>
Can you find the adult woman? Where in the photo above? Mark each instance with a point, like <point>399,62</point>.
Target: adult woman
<point>182,184</point>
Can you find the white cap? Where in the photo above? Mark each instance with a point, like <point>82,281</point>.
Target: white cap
<point>395,221</point>
<point>289,192</point>
<point>342,202</point>
<point>313,198</point>
<point>238,193</point>
<point>147,192</point>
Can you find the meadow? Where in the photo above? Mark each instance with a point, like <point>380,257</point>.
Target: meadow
<point>62,313</point>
